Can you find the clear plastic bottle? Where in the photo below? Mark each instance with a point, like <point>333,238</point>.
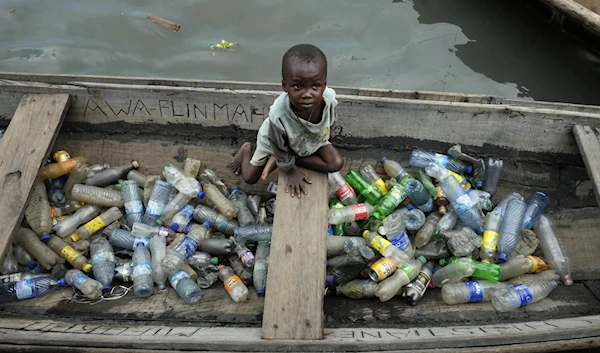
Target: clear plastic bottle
<point>158,245</point>
<point>254,233</point>
<point>253,203</point>
<point>187,289</point>
<point>103,262</point>
<point>222,204</point>
<point>393,169</point>
<point>242,271</point>
<point>66,209</point>
<point>385,248</point>
<point>421,159</point>
<point>350,213</point>
<point>414,218</point>
<point>360,185</point>
<point>244,254</point>
<point>549,275</point>
<point>158,199</point>
<point>219,222</point>
<point>391,200</point>
<point>111,175</point>
<point>471,292</point>
<point>211,177</point>
<point>478,164</point>
<point>123,239</point>
<point>21,276</point>
<point>417,193</point>
<point>397,234</point>
<point>92,289</point>
<point>64,250</point>
<point>182,218</point>
<point>413,292</point>
<point>520,265</point>
<point>481,199</point>
<point>138,177</point>
<point>68,225</point>
<point>239,199</point>
<point>141,230</point>
<point>97,168</point>
<point>501,206</point>
<point>447,222</point>
<point>37,212</point>
<point>55,170</point>
<point>357,289</point>
<point>510,230</point>
<point>261,266</point>
<point>453,272</point>
<point>10,264</point>
<point>435,250</point>
<point>493,169</point>
<point>425,234</point>
<point>124,272</point>
<point>90,228</point>
<point>342,189</point>
<point>201,259</point>
<point>174,205</point>
<point>181,181</point>
<point>30,241</point>
<point>23,256</point>
<point>132,199</point>
<point>389,287</point>
<point>148,186</point>
<point>520,295</point>
<point>554,252</point>
<point>370,175</point>
<point>487,253</point>
<point>176,253</point>
<point>217,247</point>
<point>96,196</point>
<point>461,241</point>
<point>536,203</point>
<point>28,288</point>
<point>143,284</point>
<point>233,284</point>
<point>192,166</point>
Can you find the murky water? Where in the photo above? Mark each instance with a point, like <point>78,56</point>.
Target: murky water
<point>472,46</point>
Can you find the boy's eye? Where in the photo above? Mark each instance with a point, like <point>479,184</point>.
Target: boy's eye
<point>316,85</point>
<point>297,86</point>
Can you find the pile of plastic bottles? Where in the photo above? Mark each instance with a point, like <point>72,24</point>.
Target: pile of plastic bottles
<point>91,226</point>
<point>439,228</point>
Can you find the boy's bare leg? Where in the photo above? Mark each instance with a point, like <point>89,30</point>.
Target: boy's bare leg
<point>241,164</point>
<point>269,167</point>
<point>327,160</point>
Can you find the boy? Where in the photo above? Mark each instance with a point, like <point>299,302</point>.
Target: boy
<point>299,128</point>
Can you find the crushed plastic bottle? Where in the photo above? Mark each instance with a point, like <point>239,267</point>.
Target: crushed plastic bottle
<point>357,289</point>
<point>417,193</point>
<point>413,292</point>
<point>181,181</point>
<point>158,199</point>
<point>143,284</point>
<point>470,292</point>
<point>68,225</point>
<point>414,218</point>
<point>157,246</point>
<point>360,185</point>
<point>182,218</point>
<point>28,288</point>
<point>391,200</point>
<point>478,164</point>
<point>454,272</point>
<point>132,199</point>
<point>342,189</point>
<point>487,253</point>
<point>536,203</point>
<point>371,176</point>
<point>94,195</point>
<point>350,213</point>
<point>64,250</point>
<point>111,175</point>
<point>510,230</point>
<point>244,254</point>
<point>90,228</point>
<point>520,295</point>
<point>210,176</point>
<point>37,211</point>
<point>481,199</point>
<point>66,209</point>
<point>103,262</point>
<point>554,252</point>
<point>253,203</point>
<point>187,289</point>
<point>389,287</point>
<point>233,284</point>
<point>425,233</point>
<point>421,159</point>
<point>91,288</point>
<point>242,271</point>
<point>221,203</point>
<point>239,199</point>
<point>462,241</point>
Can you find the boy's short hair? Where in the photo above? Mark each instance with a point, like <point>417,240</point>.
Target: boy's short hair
<point>303,52</point>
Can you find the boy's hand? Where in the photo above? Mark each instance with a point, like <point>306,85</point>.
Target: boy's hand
<point>296,180</point>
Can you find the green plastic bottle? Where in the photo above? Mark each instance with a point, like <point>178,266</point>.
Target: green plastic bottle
<point>490,272</point>
<point>427,183</point>
<point>338,229</point>
<point>358,183</point>
<point>390,201</point>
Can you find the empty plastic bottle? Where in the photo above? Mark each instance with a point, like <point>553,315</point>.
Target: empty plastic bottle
<point>66,209</point>
<point>371,176</point>
<point>124,272</point>
<point>447,222</point>
<point>28,288</point>
<point>192,166</point>
<point>350,213</point>
<point>179,252</point>
<point>417,193</point>
<point>393,169</point>
<point>454,272</point>
<point>10,264</point>
<point>92,289</point>
<point>487,253</point>
<point>123,239</point>
<point>254,233</point>
<point>461,241</point>
<point>23,256</point>
<point>403,276</point>
<point>414,218</point>
<point>96,224</point>
<point>441,201</point>
<point>56,192</point>
<point>520,265</point>
<point>470,292</point>
<point>77,175</point>
<point>549,275</point>
<point>21,276</point>
<point>31,242</point>
<point>421,159</point>
<point>138,177</point>
<point>360,185</point>
<point>510,230</point>
<point>201,259</point>
<point>385,248</point>
<point>141,230</point>
<point>187,289</point>
<point>64,250</point>
<point>426,182</point>
<point>132,199</point>
<point>390,201</point>
<point>111,175</point>
<point>493,169</point>
<point>527,244</point>
<point>142,270</point>
<point>55,170</point>
<point>357,289</point>
<point>96,196</point>
<point>481,199</point>
<point>425,233</point>
<point>501,206</point>
<point>239,199</point>
<point>103,262</point>
<point>253,203</point>
<point>182,218</point>
<point>244,254</point>
<point>96,168</point>
<point>218,221</point>
<point>221,203</point>
<point>520,295</point>
<point>352,229</point>
<point>233,284</point>
<point>37,212</point>
<point>211,177</point>
<point>68,225</point>
<point>217,246</point>
<point>157,245</point>
<point>181,181</point>
<point>242,271</point>
<point>436,249</point>
<point>536,203</point>
<point>554,252</point>
<point>478,164</point>
<point>413,292</point>
<point>158,199</point>
<point>397,234</point>
<point>261,265</point>
<point>342,189</point>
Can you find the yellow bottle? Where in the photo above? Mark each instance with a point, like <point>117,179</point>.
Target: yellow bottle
<point>54,170</point>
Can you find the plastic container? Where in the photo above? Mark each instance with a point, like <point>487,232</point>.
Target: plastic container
<point>192,166</point>
<point>123,239</point>
<point>176,253</point>
<point>173,206</point>
<point>357,289</point>
<point>64,250</point>
<point>421,159</point>
<point>481,199</point>
<point>9,265</point>
<point>209,176</point>
<point>478,164</point>
<point>261,265</point>
<point>96,196</point>
<point>554,252</point>
<point>187,289</point>
<point>143,285</point>
<point>520,265</point>
<point>493,170</point>
<point>55,170</point>
<point>453,272</point>
<point>549,275</point>
<point>182,218</point>
<point>520,295</point>
<point>124,272</point>
<point>253,203</point>
<point>510,230</point>
<point>111,175</point>
<point>181,181</point>
<point>371,176</point>
<point>242,271</point>
<point>342,189</point>
<point>393,169</point>
<point>23,256</point>
<point>37,212</point>
<point>221,203</point>
<point>217,246</point>
<point>388,288</point>
<point>28,288</point>
<point>90,228</point>
<point>157,246</point>
<point>461,241</point>
<point>77,175</point>
<point>390,201</point>
<point>435,250</point>
<point>239,199</point>
<point>66,209</point>
<point>138,177</point>
<point>132,199</point>
<point>385,248</point>
<point>397,234</point>
<point>31,242</point>
<point>536,203</point>
<point>103,262</point>
<point>233,284</point>
<point>21,276</point>
<point>92,289</point>
<point>350,213</point>
<point>96,168</point>
<point>158,199</point>
<point>68,225</point>
<point>414,218</point>
<point>254,233</point>
<point>360,185</point>
<point>471,292</point>
<point>487,253</point>
<point>417,193</point>
<point>447,222</point>
<point>244,254</point>
<point>218,221</point>
<point>425,234</point>
<point>426,182</point>
<point>413,292</point>
<point>501,206</point>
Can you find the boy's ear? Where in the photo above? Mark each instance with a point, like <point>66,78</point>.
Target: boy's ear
<point>283,85</point>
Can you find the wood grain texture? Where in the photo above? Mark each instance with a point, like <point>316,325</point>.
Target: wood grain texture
<point>26,142</point>
<point>589,145</point>
<point>296,280</point>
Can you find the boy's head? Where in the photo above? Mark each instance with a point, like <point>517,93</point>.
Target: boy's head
<point>304,76</point>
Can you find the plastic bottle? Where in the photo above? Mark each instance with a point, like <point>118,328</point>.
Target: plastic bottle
<point>142,270</point>
<point>181,181</point>
<point>111,175</point>
<point>501,206</point>
<point>187,289</point>
<point>23,256</point>
<point>487,253</point>
<point>123,239</point>
<point>441,201</point>
<point>470,292</point>
<point>357,289</point>
<point>96,196</point>
<point>510,230</point>
<point>493,169</point>
<point>478,164</point>
<point>217,247</point>
<point>447,222</point>
<point>211,177</point>
<point>192,166</point>
<point>393,169</point>
<point>481,199</point>
<point>96,168</point>
<point>371,176</point>
<point>346,272</point>
<point>425,233</point>
<point>132,199</point>
<point>421,159</point>
<point>261,265</point>
<point>28,288</point>
<point>21,276</point>
<point>239,199</point>
<point>66,209</point>
<point>96,224</point>
<point>179,252</point>
<point>536,203</point>
<point>103,262</point>
<point>68,225</point>
<point>521,294</point>
<point>397,234</point>
<point>37,212</point>
<point>157,246</point>
<point>435,250</point>
<point>242,271</point>
<point>350,213</point>
<point>174,205</point>
<point>461,241</point>
<point>414,218</point>
<point>360,185</point>
<point>77,175</point>
<point>124,272</point>
<point>92,289</point>
<point>201,259</point>
<point>141,230</point>
<point>421,198</point>
<point>56,192</point>
<point>244,254</point>
<point>158,199</point>
<point>413,292</point>
<point>138,177</point>
<point>64,250</point>
<point>453,272</point>
<point>221,203</point>
<point>554,252</point>
<point>30,241</point>
<point>253,203</point>
<point>385,248</point>
<point>528,243</point>
<point>342,189</point>
<point>549,275</point>
<point>233,284</point>
<point>352,229</point>
<point>9,264</point>
<point>55,170</point>
<point>426,182</point>
<point>520,265</point>
<point>403,276</point>
<point>182,218</point>
<point>390,201</point>
<point>218,221</point>
<point>341,245</point>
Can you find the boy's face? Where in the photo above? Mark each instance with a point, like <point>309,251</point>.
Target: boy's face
<point>305,83</point>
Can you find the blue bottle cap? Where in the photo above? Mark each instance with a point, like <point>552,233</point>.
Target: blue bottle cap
<point>140,243</point>
<point>201,195</point>
<point>469,169</point>
<point>32,264</point>
<point>502,258</point>
<point>479,230</point>
<point>174,227</point>
<point>62,282</point>
<point>207,224</point>
<point>45,237</point>
<point>260,292</point>
<point>383,160</point>
<point>202,182</point>
<point>410,207</point>
<point>187,228</point>
<point>235,188</point>
<point>106,288</point>
<point>329,280</point>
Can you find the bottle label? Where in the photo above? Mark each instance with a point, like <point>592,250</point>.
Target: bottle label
<point>134,207</point>
<point>178,276</point>
<point>25,289</point>
<point>163,232</point>
<point>490,240</point>
<point>441,159</point>
<point>103,256</point>
<point>188,210</point>
<point>143,240</point>
<point>401,174</point>
<point>383,268</point>
<point>380,185</point>
<point>397,194</point>
<point>232,282</point>
<point>154,208</point>
<point>247,257</point>
<point>475,292</point>
<point>360,212</point>
<point>141,269</point>
<point>524,294</point>
<point>539,264</point>
<point>260,266</point>
<point>344,192</point>
<point>14,277</point>
<point>421,282</point>
<point>401,240</point>
<point>409,270</point>
<point>379,243</point>
<point>94,225</point>
<point>462,204</point>
<point>186,247</point>
<point>69,254</point>
<point>78,280</point>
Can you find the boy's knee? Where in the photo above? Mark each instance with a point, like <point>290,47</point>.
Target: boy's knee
<point>250,179</point>
<point>337,163</point>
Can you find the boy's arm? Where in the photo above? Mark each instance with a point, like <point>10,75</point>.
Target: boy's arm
<point>286,161</point>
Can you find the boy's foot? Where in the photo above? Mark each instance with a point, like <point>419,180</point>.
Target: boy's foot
<point>236,165</point>
<point>269,167</point>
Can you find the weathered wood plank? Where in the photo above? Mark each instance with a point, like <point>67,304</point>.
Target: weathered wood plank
<point>589,145</point>
<point>26,141</point>
<point>294,296</point>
